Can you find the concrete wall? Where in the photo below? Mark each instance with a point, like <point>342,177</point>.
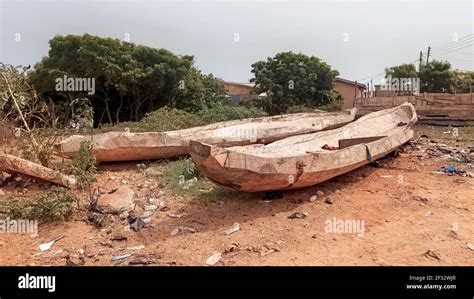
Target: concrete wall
<point>432,107</point>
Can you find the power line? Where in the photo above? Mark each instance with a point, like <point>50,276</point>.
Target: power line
<point>451,58</point>
<point>457,45</point>
<point>469,36</point>
<point>380,74</point>
<point>466,46</point>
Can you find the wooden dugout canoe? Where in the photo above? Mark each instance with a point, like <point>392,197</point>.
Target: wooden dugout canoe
<point>300,161</point>
<point>123,146</point>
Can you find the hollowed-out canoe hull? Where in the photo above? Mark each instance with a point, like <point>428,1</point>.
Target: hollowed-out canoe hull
<point>126,146</point>
<point>277,167</point>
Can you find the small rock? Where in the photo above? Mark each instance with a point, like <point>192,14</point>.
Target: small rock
<point>420,198</point>
<point>328,201</point>
<point>297,215</point>
<point>119,201</point>
<point>5,175</point>
<point>313,198</point>
<point>214,259</point>
<point>142,259</point>
<point>320,193</point>
<point>337,191</point>
<point>124,215</point>
<point>162,206</point>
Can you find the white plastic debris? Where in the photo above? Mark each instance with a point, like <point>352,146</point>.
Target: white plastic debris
<point>214,259</point>
<point>46,246</point>
<point>233,229</point>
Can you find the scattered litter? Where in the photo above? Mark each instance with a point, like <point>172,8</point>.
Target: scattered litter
<point>319,193</point>
<point>430,253</point>
<point>120,257</point>
<point>328,201</point>
<point>429,214</point>
<point>151,207</point>
<point>182,229</point>
<point>233,229</point>
<point>213,259</point>
<point>337,191</point>
<point>313,198</point>
<point>146,214</point>
<point>46,246</point>
<point>270,247</point>
<point>470,245</point>
<point>329,148</point>
<point>162,206</point>
<point>178,216</point>
<point>232,248</point>
<point>140,247</point>
<point>118,238</point>
<point>136,223</point>
<point>56,252</point>
<point>386,176</point>
<point>297,215</point>
<point>401,124</point>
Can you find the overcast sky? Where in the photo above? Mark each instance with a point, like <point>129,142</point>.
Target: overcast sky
<point>358,38</point>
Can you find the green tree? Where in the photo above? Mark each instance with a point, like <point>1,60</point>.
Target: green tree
<point>401,71</point>
<point>291,79</point>
<point>436,77</point>
<point>130,80</point>
<point>463,81</point>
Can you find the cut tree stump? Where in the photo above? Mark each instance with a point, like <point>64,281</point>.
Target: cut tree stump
<point>12,164</point>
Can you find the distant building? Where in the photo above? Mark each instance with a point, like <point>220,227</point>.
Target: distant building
<point>241,91</point>
<point>349,90</point>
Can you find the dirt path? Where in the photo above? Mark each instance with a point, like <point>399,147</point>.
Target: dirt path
<point>406,209</point>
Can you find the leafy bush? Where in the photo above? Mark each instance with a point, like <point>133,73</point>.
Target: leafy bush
<point>166,119</point>
<point>56,204</point>
<point>182,177</point>
<point>223,112</point>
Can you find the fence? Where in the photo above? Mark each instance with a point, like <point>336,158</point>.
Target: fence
<point>432,108</point>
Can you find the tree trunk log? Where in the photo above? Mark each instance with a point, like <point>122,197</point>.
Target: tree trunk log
<point>12,164</point>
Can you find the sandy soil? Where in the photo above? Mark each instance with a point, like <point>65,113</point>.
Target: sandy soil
<point>407,210</point>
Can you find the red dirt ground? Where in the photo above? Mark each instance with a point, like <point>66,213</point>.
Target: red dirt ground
<point>398,230</point>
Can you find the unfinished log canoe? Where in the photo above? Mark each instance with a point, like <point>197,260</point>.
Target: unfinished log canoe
<point>12,164</point>
<point>309,159</point>
<point>126,146</point>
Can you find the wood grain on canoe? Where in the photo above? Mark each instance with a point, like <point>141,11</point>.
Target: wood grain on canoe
<point>125,146</point>
<point>301,161</point>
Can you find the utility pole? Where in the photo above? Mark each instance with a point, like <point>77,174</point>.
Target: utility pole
<point>428,55</point>
<point>421,60</point>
